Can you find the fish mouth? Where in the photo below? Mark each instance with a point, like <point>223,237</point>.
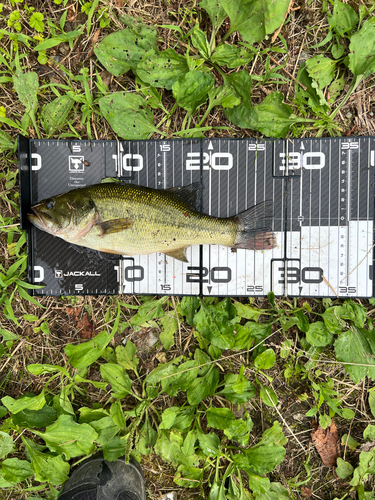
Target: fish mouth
<point>40,220</point>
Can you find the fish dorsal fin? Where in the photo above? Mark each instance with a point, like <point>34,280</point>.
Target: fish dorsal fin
<point>114,226</point>
<point>179,254</point>
<point>190,194</point>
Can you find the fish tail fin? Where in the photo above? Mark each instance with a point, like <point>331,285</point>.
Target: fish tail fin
<point>255,228</point>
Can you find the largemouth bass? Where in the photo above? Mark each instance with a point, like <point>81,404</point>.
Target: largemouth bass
<point>126,219</point>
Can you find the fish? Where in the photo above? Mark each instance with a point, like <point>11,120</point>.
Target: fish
<point>128,219</point>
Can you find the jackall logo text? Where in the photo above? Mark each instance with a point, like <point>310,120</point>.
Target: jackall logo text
<point>61,274</point>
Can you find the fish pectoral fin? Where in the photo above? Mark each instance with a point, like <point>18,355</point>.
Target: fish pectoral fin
<point>179,254</point>
<point>114,226</point>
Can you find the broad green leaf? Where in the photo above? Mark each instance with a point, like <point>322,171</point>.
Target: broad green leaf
<point>255,19</point>
<point>276,492</point>
<point>6,141</point>
<point>249,334</point>
<point>26,85</point>
<point>189,477</point>
<point>55,113</point>
<point>83,355</point>
<point>353,312</point>
<point>247,312</point>
<point>24,402</point>
<point>126,356</point>
<point>335,89</point>
<point>231,395</point>
<point>118,415</point>
<point>343,469</point>
<point>188,307</point>
<point>147,439</point>
<point>15,470</point>
<point>190,91</point>
<point>35,418</point>
<point>272,117</point>
<point>240,431</point>
<point>168,446</point>
<point>212,325</point>
<point>242,115</point>
<point>231,56</point>
<point>325,421</point>
<point>259,485</point>
<point>369,433</point>
<point>170,325</point>
<point>66,436</point>
<point>177,418</point>
<point>215,11</point>
<point>357,346</point>
<point>45,466</point>
<point>162,69</point>
<point>224,96</point>
<point>114,448</point>
<point>343,19</point>
<point>209,444</point>
<point>347,440</point>
<point>241,383</point>
<point>149,310</point>
<point>202,387</point>
<point>365,467</point>
<point>202,359</point>
<point>128,115</point>
<point>312,97</point>
<point>269,452</point>
<point>118,378</point>
<point>371,400</point>
<point>6,444</point>
<point>87,415</point>
<point>337,50</point>
<point>220,418</point>
<point>362,50</point>
<point>162,371</point>
<point>321,69</point>
<point>200,42</point>
<point>183,377</point>
<point>332,319</point>
<point>42,369</point>
<point>265,360</point>
<point>123,50</point>
<point>268,396</point>
<point>318,334</point>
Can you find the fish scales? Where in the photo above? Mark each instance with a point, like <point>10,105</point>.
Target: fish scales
<point>160,221</point>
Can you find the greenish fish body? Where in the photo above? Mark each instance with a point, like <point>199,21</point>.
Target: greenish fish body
<point>127,219</point>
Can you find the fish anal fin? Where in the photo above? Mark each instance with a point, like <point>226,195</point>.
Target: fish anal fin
<point>114,226</point>
<point>179,254</point>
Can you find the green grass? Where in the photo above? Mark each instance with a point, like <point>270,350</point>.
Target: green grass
<point>221,406</point>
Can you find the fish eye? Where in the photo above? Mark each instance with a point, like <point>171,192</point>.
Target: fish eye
<point>49,204</point>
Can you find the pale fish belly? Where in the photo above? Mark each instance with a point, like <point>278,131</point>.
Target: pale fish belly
<point>144,239</point>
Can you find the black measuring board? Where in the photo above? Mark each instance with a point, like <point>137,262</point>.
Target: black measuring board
<point>322,191</point>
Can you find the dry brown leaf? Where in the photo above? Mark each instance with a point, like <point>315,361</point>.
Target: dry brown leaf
<point>306,492</point>
<point>119,3</point>
<point>327,443</point>
<point>72,13</point>
<point>83,324</point>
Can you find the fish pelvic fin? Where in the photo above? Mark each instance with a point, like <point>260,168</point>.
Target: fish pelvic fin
<point>255,228</point>
<point>179,254</point>
<point>114,226</point>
